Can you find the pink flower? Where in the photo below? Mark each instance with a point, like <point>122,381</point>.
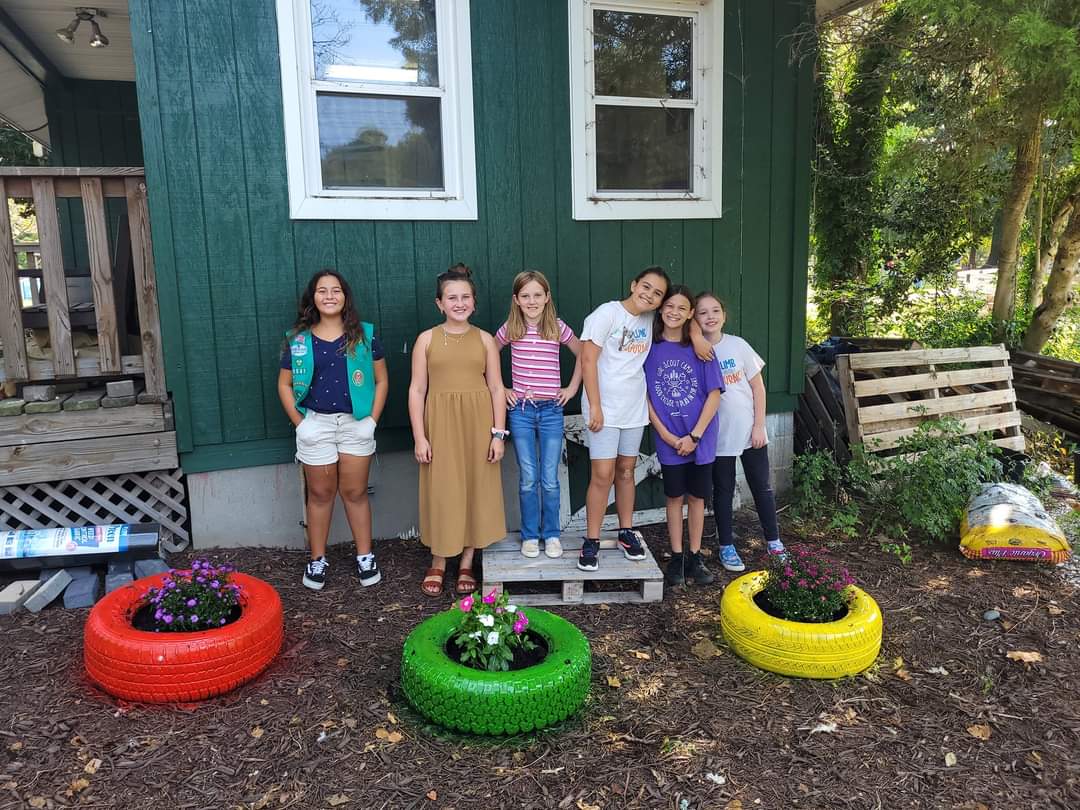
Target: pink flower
<point>523,619</point>
<point>491,597</point>
<point>803,583</point>
<point>466,604</point>
<point>788,572</point>
<point>499,610</point>
<point>785,585</point>
<point>519,627</point>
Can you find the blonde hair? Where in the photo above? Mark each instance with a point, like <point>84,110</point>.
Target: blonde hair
<point>515,321</point>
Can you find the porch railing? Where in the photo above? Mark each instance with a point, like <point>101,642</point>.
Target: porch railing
<point>45,186</point>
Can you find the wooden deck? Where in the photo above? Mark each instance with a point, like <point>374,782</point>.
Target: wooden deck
<point>560,582</point>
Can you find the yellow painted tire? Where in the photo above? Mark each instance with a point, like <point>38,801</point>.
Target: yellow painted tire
<point>800,649</point>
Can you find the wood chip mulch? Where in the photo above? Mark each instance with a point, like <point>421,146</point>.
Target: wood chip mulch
<point>944,719</point>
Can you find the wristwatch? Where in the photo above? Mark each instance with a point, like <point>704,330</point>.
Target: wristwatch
<point>500,434</point>
<point>695,439</point>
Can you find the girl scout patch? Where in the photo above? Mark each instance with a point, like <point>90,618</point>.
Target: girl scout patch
<point>358,377</point>
<point>298,348</point>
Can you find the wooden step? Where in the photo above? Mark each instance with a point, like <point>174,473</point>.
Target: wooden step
<point>505,566</point>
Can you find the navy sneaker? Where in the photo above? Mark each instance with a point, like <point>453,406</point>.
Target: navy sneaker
<point>368,570</point>
<point>630,543</point>
<point>589,560</point>
<point>696,569</point>
<point>674,575</point>
<point>315,574</point>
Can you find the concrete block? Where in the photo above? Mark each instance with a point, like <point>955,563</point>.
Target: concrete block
<point>114,581</point>
<point>11,407</point>
<point>13,596</point>
<point>147,568</point>
<point>120,388</point>
<point>51,406</point>
<point>82,593</point>
<point>75,572</point>
<point>47,591</point>
<point>118,402</point>
<point>84,401</point>
<point>146,398</point>
<point>119,567</point>
<point>39,393</point>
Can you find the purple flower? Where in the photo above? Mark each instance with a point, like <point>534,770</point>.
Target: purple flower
<point>803,583</point>
<point>171,585</point>
<point>521,617</point>
<point>222,621</point>
<point>192,602</point>
<point>157,615</point>
<point>195,616</point>
<point>200,579</point>
<point>215,584</point>
<point>167,618</point>
<point>785,585</point>
<point>519,627</point>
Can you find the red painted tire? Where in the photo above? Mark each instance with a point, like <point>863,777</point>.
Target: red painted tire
<point>180,667</point>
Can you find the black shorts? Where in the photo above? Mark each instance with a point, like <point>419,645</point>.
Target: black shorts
<point>687,479</point>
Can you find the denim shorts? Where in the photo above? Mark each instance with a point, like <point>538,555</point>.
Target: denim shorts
<point>609,442</point>
<point>321,436</point>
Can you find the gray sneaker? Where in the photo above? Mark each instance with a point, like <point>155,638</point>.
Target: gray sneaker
<point>696,569</point>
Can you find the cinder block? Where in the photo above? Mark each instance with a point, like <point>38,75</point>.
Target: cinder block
<point>47,591</point>
<point>147,568</point>
<point>50,406</point>
<point>39,393</point>
<point>84,401</point>
<point>75,572</point>
<point>82,593</point>
<point>118,402</point>
<point>11,407</point>
<point>120,388</point>
<point>146,398</point>
<point>114,581</point>
<point>13,596</point>
<point>119,567</point>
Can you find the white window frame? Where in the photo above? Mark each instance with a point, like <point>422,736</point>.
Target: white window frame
<point>308,198</point>
<point>702,201</point>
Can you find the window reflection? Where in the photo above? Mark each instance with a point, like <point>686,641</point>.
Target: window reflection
<point>643,148</point>
<point>643,55</point>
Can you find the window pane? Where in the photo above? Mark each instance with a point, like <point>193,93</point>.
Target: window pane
<point>375,41</point>
<point>380,141</point>
<point>643,55</point>
<point>643,149</point>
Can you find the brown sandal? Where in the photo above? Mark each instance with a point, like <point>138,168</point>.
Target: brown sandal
<point>466,582</point>
<point>433,582</point>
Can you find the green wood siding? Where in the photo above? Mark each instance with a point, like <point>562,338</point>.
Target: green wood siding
<point>231,263</point>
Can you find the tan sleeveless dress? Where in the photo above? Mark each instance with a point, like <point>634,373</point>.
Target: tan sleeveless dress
<point>461,501</point>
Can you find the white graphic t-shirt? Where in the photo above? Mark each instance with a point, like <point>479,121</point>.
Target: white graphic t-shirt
<point>624,342</point>
<point>739,364</point>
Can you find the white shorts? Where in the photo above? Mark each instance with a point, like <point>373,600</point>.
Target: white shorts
<point>609,442</point>
<point>321,436</point>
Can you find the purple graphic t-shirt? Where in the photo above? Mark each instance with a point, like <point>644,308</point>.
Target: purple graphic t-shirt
<point>678,384</point>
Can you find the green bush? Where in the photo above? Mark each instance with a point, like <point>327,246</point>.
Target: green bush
<point>917,495</point>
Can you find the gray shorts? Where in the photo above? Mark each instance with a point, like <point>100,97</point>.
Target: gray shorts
<point>609,442</point>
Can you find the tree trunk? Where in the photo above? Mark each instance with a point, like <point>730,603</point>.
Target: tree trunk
<point>1012,220</point>
<point>1058,288</point>
<point>1041,271</point>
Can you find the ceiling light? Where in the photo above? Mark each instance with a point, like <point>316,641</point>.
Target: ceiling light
<point>83,14</point>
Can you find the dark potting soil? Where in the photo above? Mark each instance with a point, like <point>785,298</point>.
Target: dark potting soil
<point>761,599</point>
<point>143,619</point>
<point>522,658</point>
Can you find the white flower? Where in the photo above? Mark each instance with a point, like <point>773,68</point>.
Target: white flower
<point>511,608</point>
<point>493,637</point>
<point>475,634</point>
<point>487,620</point>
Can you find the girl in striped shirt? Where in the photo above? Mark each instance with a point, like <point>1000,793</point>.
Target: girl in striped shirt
<point>535,402</point>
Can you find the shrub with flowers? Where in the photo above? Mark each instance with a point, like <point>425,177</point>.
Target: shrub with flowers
<point>804,585</point>
<point>491,629</point>
<point>199,599</point>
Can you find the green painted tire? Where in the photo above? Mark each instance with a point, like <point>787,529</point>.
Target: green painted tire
<point>480,702</point>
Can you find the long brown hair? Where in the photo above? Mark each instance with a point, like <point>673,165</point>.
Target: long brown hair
<point>658,320</point>
<point>307,314</point>
<point>548,328</point>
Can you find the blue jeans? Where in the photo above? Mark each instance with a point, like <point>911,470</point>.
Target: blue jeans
<point>536,429</point>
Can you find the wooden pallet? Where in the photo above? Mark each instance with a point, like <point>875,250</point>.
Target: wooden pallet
<point>563,582</point>
<point>1049,389</point>
<point>819,416</point>
<point>888,394</point>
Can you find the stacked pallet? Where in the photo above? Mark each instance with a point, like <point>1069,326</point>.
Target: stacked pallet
<point>1049,389</point>
<point>886,395</point>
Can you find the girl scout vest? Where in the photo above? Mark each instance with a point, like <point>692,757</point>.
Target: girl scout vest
<point>361,371</point>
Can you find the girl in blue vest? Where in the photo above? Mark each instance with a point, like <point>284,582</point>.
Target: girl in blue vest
<point>333,386</point>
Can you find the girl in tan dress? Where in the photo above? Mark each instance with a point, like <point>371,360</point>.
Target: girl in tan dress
<point>458,414</point>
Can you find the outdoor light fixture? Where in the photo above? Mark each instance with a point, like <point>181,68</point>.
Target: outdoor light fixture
<point>98,40</point>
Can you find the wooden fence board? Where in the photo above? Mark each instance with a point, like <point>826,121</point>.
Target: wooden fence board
<point>142,254</point>
<point>52,276</point>
<point>65,425</point>
<point>888,439</point>
<point>101,280</point>
<point>923,382</point>
<point>917,357</point>
<point>84,367</point>
<point>11,329</point>
<point>943,405</point>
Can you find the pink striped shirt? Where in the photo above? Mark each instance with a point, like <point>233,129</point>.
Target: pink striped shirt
<point>534,362</point>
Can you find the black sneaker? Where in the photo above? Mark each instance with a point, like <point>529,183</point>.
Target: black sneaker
<point>589,560</point>
<point>315,574</point>
<point>369,575</point>
<point>630,543</point>
<point>697,570</point>
<point>674,573</point>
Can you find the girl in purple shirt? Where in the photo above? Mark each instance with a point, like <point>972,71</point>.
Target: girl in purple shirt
<point>684,394</point>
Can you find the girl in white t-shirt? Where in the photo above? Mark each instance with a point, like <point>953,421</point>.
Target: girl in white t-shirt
<point>742,432</point>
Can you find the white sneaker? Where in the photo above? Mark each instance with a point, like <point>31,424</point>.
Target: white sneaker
<point>553,547</point>
<point>530,548</point>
